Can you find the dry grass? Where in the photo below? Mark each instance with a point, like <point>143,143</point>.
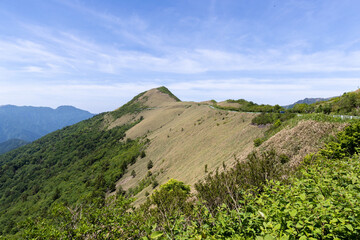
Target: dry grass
<point>306,137</point>
<point>229,104</point>
<point>186,136</point>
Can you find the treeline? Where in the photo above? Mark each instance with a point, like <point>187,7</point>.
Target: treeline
<point>347,104</point>
<point>257,199</point>
<point>249,106</point>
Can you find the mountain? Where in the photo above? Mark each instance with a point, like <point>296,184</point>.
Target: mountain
<point>307,101</point>
<point>134,149</point>
<point>30,123</point>
<point>11,144</point>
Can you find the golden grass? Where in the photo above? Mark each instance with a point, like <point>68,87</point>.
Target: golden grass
<point>186,136</point>
<point>306,137</point>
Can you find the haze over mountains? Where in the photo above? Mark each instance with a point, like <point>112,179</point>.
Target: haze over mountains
<point>307,101</point>
<point>28,123</point>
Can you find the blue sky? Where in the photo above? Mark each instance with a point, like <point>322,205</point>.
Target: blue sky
<point>97,55</point>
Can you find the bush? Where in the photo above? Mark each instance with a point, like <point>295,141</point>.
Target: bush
<point>258,142</point>
<point>155,184</point>
<point>150,165</point>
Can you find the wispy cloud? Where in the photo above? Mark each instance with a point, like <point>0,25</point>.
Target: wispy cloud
<point>198,56</point>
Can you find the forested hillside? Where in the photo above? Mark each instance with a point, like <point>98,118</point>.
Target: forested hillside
<point>78,164</point>
<point>348,104</point>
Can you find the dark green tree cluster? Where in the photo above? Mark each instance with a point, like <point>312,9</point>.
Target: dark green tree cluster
<point>248,106</point>
<point>271,118</point>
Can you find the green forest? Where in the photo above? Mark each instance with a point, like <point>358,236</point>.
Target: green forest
<point>75,165</point>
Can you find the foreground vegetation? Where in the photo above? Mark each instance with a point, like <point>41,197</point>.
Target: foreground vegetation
<point>255,199</point>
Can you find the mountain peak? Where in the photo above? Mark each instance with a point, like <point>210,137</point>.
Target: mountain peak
<point>157,96</point>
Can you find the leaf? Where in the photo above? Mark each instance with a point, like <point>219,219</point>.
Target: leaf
<point>277,227</point>
<point>293,213</point>
<point>156,235</point>
<point>303,196</point>
<point>348,226</point>
<point>268,237</point>
<point>262,214</point>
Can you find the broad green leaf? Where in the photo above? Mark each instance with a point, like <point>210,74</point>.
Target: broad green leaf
<point>268,237</point>
<point>156,235</point>
<point>348,226</point>
<point>303,196</point>
<point>293,213</point>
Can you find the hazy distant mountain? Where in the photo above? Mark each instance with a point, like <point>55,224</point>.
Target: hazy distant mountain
<point>30,123</point>
<point>307,101</point>
<point>11,144</point>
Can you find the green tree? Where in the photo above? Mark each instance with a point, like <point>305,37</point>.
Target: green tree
<point>150,165</point>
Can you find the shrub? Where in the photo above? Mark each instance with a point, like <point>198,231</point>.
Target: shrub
<point>150,165</point>
<point>258,142</point>
<point>155,184</point>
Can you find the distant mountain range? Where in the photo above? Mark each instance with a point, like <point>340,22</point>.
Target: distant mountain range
<point>30,123</point>
<point>307,101</point>
<point>11,144</point>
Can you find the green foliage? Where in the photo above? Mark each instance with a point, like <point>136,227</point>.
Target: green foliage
<point>228,187</point>
<point>258,141</point>
<point>148,180</point>
<point>167,91</point>
<point>248,106</point>
<point>155,184</point>
<point>272,118</point>
<point>169,205</point>
<point>132,106</point>
<point>133,173</point>
<point>348,104</point>
<point>77,164</point>
<point>347,145</point>
<point>150,165</point>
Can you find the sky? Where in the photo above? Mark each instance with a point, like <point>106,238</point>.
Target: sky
<point>97,55</point>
